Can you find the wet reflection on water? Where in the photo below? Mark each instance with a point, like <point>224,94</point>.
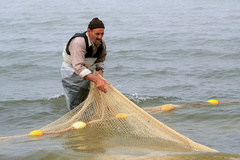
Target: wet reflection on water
<point>100,140</point>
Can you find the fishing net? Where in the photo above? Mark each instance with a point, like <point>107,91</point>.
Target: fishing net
<point>115,116</point>
<point>119,121</point>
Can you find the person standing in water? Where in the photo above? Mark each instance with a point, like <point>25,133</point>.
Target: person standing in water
<point>83,54</point>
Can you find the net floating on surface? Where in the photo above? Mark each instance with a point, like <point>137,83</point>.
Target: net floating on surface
<point>113,114</point>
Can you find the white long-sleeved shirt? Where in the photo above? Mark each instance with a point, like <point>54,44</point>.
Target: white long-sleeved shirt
<point>81,65</point>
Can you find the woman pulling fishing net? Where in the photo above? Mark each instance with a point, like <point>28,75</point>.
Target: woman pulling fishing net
<point>84,53</point>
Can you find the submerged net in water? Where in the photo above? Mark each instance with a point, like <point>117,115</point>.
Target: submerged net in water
<point>115,116</point>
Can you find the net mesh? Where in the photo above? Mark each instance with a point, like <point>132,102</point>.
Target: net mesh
<point>115,116</point>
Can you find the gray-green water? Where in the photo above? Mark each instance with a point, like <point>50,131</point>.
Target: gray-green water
<point>159,52</point>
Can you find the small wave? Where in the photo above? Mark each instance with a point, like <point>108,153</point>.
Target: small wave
<point>56,96</point>
<point>140,99</point>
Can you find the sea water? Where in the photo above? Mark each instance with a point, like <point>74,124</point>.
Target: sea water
<point>158,52</point>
